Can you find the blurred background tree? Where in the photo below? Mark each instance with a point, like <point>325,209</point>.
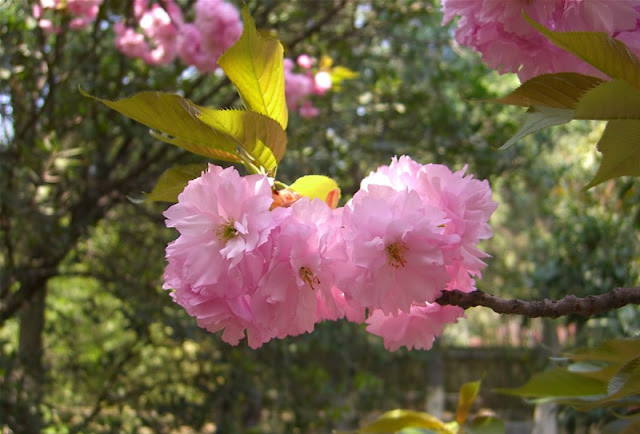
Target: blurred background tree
<point>89,342</point>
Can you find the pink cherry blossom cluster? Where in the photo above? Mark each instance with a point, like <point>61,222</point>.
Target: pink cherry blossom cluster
<point>164,35</point>
<point>242,265</point>
<point>81,12</point>
<point>497,30</point>
<point>301,85</point>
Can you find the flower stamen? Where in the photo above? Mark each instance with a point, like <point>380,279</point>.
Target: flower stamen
<point>307,276</point>
<point>226,231</point>
<point>395,255</point>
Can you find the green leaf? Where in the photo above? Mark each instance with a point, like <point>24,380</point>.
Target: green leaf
<point>610,100</point>
<point>558,382</point>
<point>173,181</point>
<point>626,382</point>
<point>623,390</point>
<point>562,91</point>
<point>261,137</point>
<point>255,66</point>
<point>620,147</point>
<point>315,186</point>
<point>600,50</point>
<point>468,393</point>
<point>485,425</point>
<point>614,350</point>
<point>210,152</point>
<point>396,420</point>
<point>177,118</point>
<point>340,74</point>
<point>537,118</point>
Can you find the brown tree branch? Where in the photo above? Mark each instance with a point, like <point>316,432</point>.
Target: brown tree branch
<point>585,306</point>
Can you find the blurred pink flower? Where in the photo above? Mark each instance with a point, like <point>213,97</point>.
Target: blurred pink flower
<point>300,86</point>
<point>297,86</point>
<point>322,82</point>
<point>304,61</point>
<point>129,42</point>
<point>307,110</point>
<point>82,13</point>
<point>216,27</point>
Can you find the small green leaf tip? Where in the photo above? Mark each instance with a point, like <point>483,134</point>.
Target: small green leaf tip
<point>173,181</point>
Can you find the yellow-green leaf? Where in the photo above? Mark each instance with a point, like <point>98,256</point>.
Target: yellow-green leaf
<point>176,117</point>
<point>620,147</point>
<point>255,66</point>
<point>261,137</point>
<point>396,420</point>
<point>214,153</point>
<point>315,186</point>
<point>600,50</point>
<point>626,381</point>
<point>560,383</point>
<point>468,393</point>
<point>623,390</point>
<point>610,100</point>
<point>562,91</point>
<point>173,181</point>
<point>485,425</point>
<point>614,350</point>
<point>540,117</point>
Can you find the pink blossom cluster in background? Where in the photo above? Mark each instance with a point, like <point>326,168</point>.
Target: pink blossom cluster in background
<point>498,31</point>
<point>163,35</point>
<point>82,13</point>
<point>242,266</point>
<point>300,86</point>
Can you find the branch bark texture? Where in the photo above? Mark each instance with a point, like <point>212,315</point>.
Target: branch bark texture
<point>584,306</point>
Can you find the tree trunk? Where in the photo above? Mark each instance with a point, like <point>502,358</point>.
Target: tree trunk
<point>30,352</point>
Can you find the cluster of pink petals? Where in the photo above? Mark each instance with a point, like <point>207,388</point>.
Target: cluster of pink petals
<point>163,35</point>
<point>497,30</point>
<point>300,86</point>
<point>82,13</point>
<point>245,267</point>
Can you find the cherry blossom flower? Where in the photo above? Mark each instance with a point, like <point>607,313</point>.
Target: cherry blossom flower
<point>305,256</point>
<point>497,30</point>
<point>82,13</point>
<point>397,242</point>
<point>216,27</point>
<point>248,265</point>
<point>322,82</point>
<point>466,203</point>
<point>417,328</point>
<point>304,61</point>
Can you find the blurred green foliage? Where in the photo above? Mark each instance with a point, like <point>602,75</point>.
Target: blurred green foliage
<point>119,356</point>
